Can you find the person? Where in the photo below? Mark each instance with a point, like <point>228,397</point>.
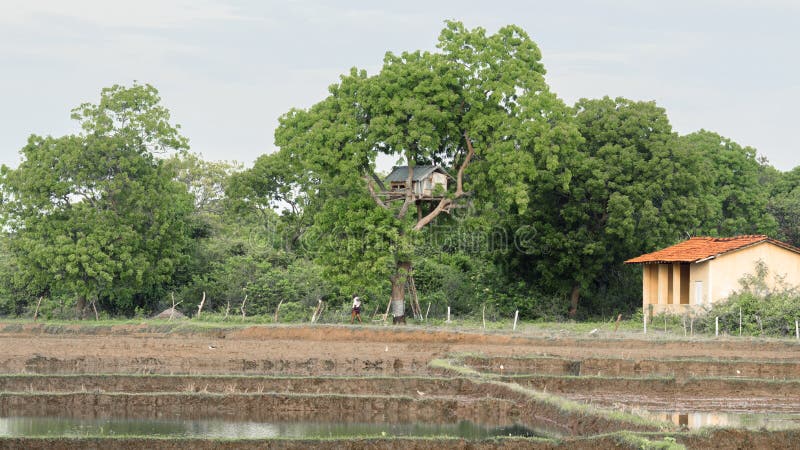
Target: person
<point>356,313</point>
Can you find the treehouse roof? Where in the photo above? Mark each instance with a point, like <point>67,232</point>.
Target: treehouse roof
<point>400,173</point>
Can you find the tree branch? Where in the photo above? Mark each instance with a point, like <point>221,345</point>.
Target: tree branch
<point>443,203</point>
<point>446,203</point>
<point>460,176</point>
<point>373,194</point>
<point>377,180</point>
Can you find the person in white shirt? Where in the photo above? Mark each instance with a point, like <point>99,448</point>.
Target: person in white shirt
<point>356,313</point>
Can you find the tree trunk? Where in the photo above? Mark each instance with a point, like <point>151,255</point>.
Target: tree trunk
<point>399,280</point>
<point>573,300</point>
<point>80,307</point>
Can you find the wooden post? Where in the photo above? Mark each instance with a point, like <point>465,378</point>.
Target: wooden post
<point>227,310</point>
<point>426,312</point>
<point>665,323</point>
<point>716,326</point>
<point>691,326</point>
<point>172,311</point>
<point>516,316</point>
<point>616,325</point>
<point>36,312</point>
<point>740,321</point>
<point>386,315</point>
<point>483,315</point>
<point>448,314</point>
<point>797,329</point>
<point>200,306</point>
<point>243,303</point>
<point>644,320</point>
<point>317,311</point>
<point>276,311</point>
<point>374,312</point>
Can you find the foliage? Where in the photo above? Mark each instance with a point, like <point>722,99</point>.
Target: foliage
<point>784,203</point>
<point>636,186</point>
<point>96,216</point>
<point>765,310</point>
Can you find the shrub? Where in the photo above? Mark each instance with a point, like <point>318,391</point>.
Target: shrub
<point>764,310</point>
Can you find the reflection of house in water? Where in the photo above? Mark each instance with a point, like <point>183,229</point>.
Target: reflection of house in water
<point>695,420</point>
<point>704,270</point>
<point>426,181</point>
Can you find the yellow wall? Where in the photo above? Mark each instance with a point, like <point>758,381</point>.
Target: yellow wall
<point>728,269</point>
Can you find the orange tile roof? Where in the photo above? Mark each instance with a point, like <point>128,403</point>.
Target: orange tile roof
<point>700,248</point>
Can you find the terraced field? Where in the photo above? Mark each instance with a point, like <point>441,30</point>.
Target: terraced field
<point>382,388</point>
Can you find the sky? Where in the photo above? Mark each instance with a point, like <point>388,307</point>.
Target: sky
<point>228,69</point>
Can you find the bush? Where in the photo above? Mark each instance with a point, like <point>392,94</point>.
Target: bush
<point>295,312</point>
<point>764,310</point>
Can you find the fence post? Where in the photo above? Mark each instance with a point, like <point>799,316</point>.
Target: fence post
<point>740,321</point>
<point>483,315</point>
<point>516,316</point>
<point>716,326</point>
<point>448,314</point>
<point>644,320</point>
<point>796,330</point>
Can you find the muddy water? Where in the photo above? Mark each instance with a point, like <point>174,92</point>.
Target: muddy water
<point>188,428</point>
<point>750,421</point>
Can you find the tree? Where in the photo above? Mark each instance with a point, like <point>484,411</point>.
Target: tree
<point>480,101</point>
<point>784,203</point>
<point>96,216</point>
<point>631,190</point>
<point>733,180</point>
<point>636,186</point>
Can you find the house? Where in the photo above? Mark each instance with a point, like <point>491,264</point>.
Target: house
<point>704,270</point>
<point>424,181</point>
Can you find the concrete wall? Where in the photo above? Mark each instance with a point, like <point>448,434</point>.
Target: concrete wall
<point>728,269</point>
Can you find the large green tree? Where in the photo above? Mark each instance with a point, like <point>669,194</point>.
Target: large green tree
<point>632,190</point>
<point>479,106</point>
<point>636,186</point>
<point>97,217</point>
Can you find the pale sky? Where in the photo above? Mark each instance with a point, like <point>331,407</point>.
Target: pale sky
<point>228,69</point>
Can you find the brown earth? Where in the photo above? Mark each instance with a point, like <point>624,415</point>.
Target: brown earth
<point>320,371</point>
<point>329,350</point>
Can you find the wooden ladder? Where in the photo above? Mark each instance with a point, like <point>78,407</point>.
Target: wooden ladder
<point>415,309</point>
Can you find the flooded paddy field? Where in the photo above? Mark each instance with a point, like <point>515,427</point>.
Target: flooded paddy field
<point>379,388</point>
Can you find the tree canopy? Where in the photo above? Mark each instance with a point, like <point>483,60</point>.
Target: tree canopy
<point>96,216</point>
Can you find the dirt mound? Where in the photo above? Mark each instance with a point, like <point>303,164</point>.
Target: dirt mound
<point>170,313</point>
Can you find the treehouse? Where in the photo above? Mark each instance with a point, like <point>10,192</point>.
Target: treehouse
<point>427,182</point>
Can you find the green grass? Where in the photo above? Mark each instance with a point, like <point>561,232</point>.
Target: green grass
<point>214,322</point>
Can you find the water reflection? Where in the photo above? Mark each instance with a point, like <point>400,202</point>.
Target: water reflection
<point>695,420</point>
<point>186,428</point>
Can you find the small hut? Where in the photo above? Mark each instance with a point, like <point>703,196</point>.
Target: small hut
<point>424,180</point>
<point>704,270</point>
